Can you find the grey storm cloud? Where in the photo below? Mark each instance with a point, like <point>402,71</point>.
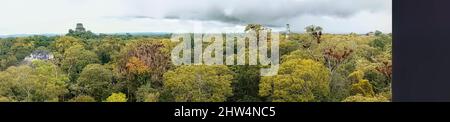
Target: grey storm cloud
<point>337,16</point>
<point>267,12</point>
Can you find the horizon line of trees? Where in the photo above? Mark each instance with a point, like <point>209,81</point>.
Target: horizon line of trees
<point>86,67</point>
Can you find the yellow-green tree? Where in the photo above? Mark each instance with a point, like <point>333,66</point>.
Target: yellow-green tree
<point>40,82</point>
<point>117,97</point>
<point>4,99</point>
<point>82,98</point>
<point>64,42</point>
<point>361,98</point>
<point>95,80</point>
<point>147,94</point>
<point>361,86</point>
<point>297,81</point>
<point>199,83</point>
<point>75,59</point>
<point>107,49</point>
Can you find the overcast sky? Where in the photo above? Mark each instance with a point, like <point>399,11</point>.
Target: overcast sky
<point>113,16</point>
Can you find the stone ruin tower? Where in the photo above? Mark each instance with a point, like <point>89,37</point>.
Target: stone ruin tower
<point>80,28</point>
